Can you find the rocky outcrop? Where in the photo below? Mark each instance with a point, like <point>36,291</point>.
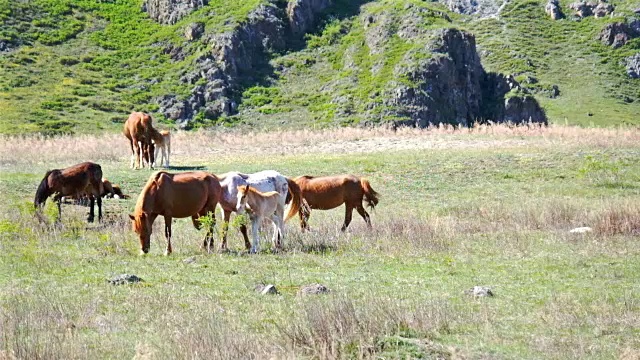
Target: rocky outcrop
<point>234,58</point>
<point>193,31</point>
<point>617,34</point>
<point>585,9</point>
<point>480,8</point>
<point>553,10</point>
<point>170,11</point>
<point>633,66</point>
<point>302,14</point>
<point>452,87</point>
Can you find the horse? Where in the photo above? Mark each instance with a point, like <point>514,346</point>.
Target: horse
<point>137,129</point>
<point>109,190</point>
<point>76,180</point>
<point>263,181</point>
<point>329,192</point>
<point>189,194</point>
<point>260,206</point>
<point>162,142</point>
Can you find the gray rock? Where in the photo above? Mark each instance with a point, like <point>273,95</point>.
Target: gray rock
<point>124,279</point>
<point>266,289</point>
<point>554,10</point>
<point>189,260</point>
<point>633,66</point>
<point>170,11</point>
<point>616,34</point>
<point>555,92</point>
<point>314,289</point>
<point>582,9</point>
<point>303,14</point>
<point>479,291</point>
<point>602,9</point>
<point>193,31</point>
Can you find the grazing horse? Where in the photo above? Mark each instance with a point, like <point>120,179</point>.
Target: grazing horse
<point>108,190</point>
<point>260,206</point>
<point>328,192</point>
<point>263,181</point>
<point>188,194</point>
<point>162,142</point>
<point>138,130</point>
<point>76,180</point>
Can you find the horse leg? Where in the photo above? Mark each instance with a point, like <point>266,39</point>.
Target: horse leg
<point>225,229</point>
<point>278,231</point>
<point>133,154</point>
<point>99,201</point>
<point>243,231</point>
<point>167,234</point>
<point>58,200</point>
<point>347,216</point>
<point>92,201</point>
<point>255,226</point>
<point>304,220</point>
<point>364,215</point>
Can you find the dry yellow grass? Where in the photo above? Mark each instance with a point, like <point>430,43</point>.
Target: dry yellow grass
<point>231,143</point>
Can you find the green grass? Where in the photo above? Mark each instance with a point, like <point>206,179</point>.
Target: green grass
<point>448,219</point>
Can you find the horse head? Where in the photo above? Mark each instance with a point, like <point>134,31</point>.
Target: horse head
<point>243,190</point>
<point>142,226</point>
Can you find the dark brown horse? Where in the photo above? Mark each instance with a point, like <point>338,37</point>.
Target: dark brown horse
<point>138,130</point>
<point>188,194</point>
<point>329,192</point>
<point>76,180</point>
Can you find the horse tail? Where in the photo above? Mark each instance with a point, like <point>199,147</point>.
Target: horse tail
<point>370,195</point>
<point>43,191</point>
<point>298,204</point>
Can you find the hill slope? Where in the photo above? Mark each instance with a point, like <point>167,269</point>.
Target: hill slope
<point>83,66</point>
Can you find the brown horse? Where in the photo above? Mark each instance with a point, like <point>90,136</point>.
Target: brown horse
<point>76,180</point>
<point>188,194</point>
<point>162,142</point>
<point>138,130</point>
<point>109,190</point>
<point>328,192</point>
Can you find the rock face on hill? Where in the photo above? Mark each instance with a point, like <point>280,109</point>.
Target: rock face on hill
<point>447,86</point>
<point>303,14</point>
<point>170,11</point>
<point>452,87</point>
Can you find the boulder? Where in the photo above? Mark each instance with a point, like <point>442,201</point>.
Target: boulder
<point>554,10</point>
<point>124,279</point>
<point>602,9</point>
<point>303,14</point>
<point>616,34</point>
<point>193,31</point>
<point>633,66</point>
<point>314,289</point>
<point>170,11</point>
<point>582,9</point>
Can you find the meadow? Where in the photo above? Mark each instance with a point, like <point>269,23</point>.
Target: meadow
<point>487,206</point>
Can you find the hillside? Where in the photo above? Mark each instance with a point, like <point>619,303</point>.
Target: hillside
<point>82,66</point>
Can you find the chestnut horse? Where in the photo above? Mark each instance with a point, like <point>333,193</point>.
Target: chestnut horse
<point>264,181</point>
<point>189,194</point>
<point>260,206</point>
<point>109,190</point>
<point>76,180</point>
<point>328,192</point>
<point>138,130</point>
<point>162,143</point>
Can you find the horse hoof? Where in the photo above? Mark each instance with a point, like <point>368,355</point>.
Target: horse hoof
<point>143,253</point>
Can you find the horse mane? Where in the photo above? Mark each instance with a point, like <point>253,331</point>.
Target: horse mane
<point>143,194</point>
<point>255,191</point>
<point>43,190</point>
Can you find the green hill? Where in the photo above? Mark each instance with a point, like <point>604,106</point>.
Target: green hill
<point>82,66</point>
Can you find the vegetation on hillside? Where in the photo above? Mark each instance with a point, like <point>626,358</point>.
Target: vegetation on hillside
<point>82,66</point>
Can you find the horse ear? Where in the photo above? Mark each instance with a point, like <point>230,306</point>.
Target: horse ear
<point>246,188</point>
<point>132,217</point>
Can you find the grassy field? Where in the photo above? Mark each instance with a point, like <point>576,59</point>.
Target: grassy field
<point>483,206</point>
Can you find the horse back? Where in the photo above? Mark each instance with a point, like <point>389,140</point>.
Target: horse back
<point>328,192</point>
<point>185,194</point>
